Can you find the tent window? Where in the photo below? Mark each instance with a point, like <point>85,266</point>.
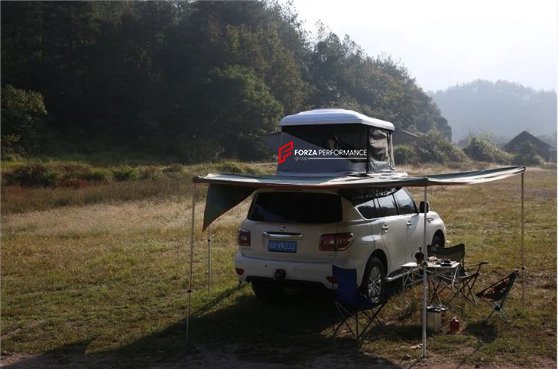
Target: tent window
<point>331,136</point>
<point>380,151</point>
<point>379,145</point>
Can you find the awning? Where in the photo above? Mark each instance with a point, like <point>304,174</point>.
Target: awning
<point>228,190</point>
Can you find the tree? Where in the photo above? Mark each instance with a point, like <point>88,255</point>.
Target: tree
<point>22,116</point>
<point>171,76</point>
<point>235,107</point>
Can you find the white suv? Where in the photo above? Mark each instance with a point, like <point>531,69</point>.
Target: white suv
<point>294,237</point>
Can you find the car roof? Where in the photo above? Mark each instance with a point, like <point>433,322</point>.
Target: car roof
<point>333,116</point>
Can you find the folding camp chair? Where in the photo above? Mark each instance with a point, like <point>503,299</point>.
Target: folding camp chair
<point>496,295</point>
<point>463,282</point>
<point>350,301</point>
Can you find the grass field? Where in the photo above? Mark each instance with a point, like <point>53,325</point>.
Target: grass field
<point>99,273</point>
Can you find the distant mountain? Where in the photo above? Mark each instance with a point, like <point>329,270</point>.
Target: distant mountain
<point>501,108</point>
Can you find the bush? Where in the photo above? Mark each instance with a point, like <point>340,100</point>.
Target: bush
<point>150,172</point>
<point>236,167</point>
<point>433,148</point>
<point>173,171</point>
<point>481,149</point>
<point>31,175</point>
<point>99,175</point>
<point>125,173</point>
<point>405,154</point>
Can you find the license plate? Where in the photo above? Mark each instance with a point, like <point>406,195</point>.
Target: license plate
<point>281,246</point>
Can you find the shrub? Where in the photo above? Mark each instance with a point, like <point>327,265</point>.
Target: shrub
<point>405,154</point>
<point>31,175</point>
<point>481,149</point>
<point>99,175</point>
<point>239,168</point>
<point>125,173</point>
<point>150,172</point>
<point>433,148</point>
<point>173,171</point>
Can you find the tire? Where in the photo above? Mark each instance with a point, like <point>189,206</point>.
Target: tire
<point>438,240</point>
<point>373,282</point>
<point>268,291</point>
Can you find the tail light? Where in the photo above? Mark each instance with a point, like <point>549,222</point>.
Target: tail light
<point>336,241</point>
<point>239,271</point>
<point>243,237</point>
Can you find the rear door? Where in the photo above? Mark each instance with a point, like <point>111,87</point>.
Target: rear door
<point>413,223</point>
<point>394,231</point>
<point>288,225</point>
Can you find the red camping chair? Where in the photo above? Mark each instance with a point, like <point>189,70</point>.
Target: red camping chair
<point>496,295</point>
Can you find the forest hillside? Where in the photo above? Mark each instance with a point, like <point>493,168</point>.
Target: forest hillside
<point>502,109</point>
<point>183,81</point>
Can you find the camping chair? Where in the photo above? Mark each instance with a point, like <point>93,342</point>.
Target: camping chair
<point>349,301</point>
<point>496,294</point>
<point>464,281</point>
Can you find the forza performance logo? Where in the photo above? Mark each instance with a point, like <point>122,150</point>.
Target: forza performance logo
<point>325,154</point>
<point>284,152</point>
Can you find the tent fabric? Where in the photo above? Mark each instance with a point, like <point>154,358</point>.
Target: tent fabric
<point>228,190</point>
<point>221,198</point>
<point>380,151</point>
<point>335,150</point>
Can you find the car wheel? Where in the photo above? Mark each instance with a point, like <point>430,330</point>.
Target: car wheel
<point>438,240</point>
<point>373,285</point>
<point>264,290</point>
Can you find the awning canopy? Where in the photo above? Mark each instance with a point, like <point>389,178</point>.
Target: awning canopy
<point>228,190</point>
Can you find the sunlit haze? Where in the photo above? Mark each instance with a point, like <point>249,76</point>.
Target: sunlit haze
<point>443,43</point>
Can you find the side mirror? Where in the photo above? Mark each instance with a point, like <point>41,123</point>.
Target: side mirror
<point>422,207</point>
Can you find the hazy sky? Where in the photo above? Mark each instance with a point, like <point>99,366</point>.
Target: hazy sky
<point>445,42</point>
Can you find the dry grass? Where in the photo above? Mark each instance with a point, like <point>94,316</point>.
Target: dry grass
<point>110,278</point>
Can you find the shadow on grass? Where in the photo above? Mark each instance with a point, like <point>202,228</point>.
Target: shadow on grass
<point>485,331</point>
<point>246,333</point>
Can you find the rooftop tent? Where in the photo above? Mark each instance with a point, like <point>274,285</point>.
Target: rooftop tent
<point>334,142</point>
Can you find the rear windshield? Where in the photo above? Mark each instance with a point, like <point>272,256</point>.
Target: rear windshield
<point>296,207</point>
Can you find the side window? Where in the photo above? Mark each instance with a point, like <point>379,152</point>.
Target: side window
<point>405,202</point>
<point>369,209</point>
<point>387,204</point>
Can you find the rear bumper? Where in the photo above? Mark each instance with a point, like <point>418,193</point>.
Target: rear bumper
<point>295,271</point>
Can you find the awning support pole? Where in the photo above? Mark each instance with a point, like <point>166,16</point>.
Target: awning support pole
<point>208,259</point>
<point>522,238</point>
<point>191,261</point>
<point>424,276</point>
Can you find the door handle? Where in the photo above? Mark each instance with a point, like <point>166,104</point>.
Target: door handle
<point>409,223</point>
<point>385,227</point>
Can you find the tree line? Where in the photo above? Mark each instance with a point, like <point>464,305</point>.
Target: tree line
<point>192,80</point>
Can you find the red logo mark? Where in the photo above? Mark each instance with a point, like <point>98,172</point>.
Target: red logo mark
<point>285,151</point>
